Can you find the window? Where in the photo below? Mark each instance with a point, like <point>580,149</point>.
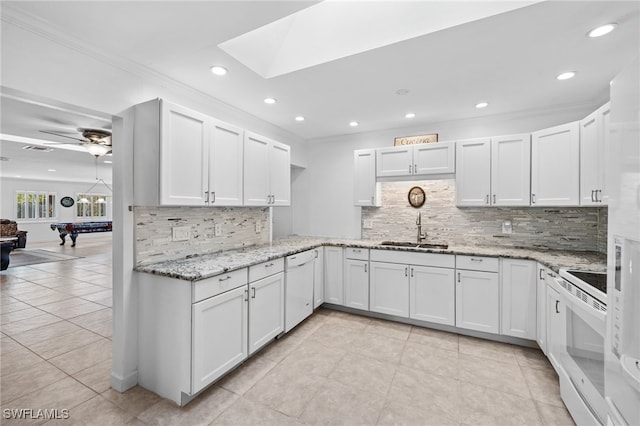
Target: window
<point>91,205</point>
<point>35,205</point>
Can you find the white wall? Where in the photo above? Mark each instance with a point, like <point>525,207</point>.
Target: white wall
<point>324,190</point>
<point>39,231</point>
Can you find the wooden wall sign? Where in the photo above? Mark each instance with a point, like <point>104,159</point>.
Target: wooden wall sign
<point>413,140</point>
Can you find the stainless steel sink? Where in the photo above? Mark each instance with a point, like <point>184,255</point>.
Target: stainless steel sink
<point>415,245</point>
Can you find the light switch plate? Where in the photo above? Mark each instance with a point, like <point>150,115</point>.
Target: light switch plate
<point>507,227</point>
<point>217,229</point>
<point>180,233</point>
<point>258,227</point>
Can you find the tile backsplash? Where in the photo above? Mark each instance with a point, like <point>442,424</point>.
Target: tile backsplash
<point>572,228</point>
<point>237,226</point>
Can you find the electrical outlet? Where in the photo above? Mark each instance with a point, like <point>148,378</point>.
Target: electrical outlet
<point>180,233</point>
<point>507,227</point>
<point>258,227</point>
<point>367,224</point>
<point>217,229</point>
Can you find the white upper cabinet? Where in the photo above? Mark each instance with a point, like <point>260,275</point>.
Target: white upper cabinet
<point>416,160</point>
<point>473,172</point>
<point>511,170</point>
<point>184,154</point>
<point>555,166</point>
<point>366,189</point>
<point>267,172</point>
<point>594,139</point>
<point>225,165</point>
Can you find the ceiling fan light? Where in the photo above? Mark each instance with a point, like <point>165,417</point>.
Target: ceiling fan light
<point>101,200</point>
<point>601,30</point>
<point>96,149</point>
<point>83,200</point>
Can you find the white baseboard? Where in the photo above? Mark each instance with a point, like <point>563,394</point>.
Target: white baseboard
<point>122,384</point>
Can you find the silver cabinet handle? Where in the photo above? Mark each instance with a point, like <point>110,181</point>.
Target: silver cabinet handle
<point>494,198</point>
<point>292,258</point>
<point>253,292</point>
<point>411,272</point>
<point>357,250</point>
<point>317,254</point>
<point>372,200</point>
<point>365,267</point>
<point>473,259</point>
<point>415,169</point>
<point>213,197</point>
<point>458,276</point>
<point>224,279</point>
<point>406,271</point>
<point>206,195</point>
<point>246,295</point>
<point>533,198</point>
<point>540,274</point>
<point>268,265</point>
<point>593,200</point>
<point>486,201</point>
<point>557,311</point>
<point>410,168</point>
<point>599,199</point>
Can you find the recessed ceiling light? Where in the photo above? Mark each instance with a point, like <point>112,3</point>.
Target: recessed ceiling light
<point>269,101</point>
<point>299,118</point>
<point>51,170</point>
<point>602,30</point>
<point>402,92</point>
<point>108,161</point>
<point>353,123</point>
<point>409,115</point>
<point>4,159</point>
<point>218,70</point>
<point>566,75</point>
<point>482,105</point>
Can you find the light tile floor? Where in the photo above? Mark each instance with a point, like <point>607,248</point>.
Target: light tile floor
<point>335,368</point>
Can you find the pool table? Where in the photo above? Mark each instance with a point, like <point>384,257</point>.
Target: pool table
<point>72,229</point>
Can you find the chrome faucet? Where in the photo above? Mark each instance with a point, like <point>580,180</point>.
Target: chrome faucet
<point>421,236</point>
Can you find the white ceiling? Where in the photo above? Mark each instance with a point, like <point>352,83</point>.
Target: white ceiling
<point>509,60</point>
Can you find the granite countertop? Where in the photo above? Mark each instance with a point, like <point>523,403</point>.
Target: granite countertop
<point>200,267</point>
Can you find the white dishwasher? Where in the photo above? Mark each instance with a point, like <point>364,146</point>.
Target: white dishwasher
<point>299,275</point>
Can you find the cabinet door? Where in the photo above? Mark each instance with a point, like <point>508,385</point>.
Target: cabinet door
<point>511,170</point>
<point>389,289</point>
<point>604,148</point>
<point>519,298</point>
<point>333,279</point>
<point>219,336</point>
<point>225,165</point>
<point>478,301</point>
<point>266,310</point>
<point>356,284</point>
<point>257,188</point>
<point>541,311</point>
<point>589,159</point>
<point>280,174</point>
<point>184,156</point>
<point>556,327</point>
<point>318,280</point>
<point>397,161</point>
<point>555,166</point>
<point>434,158</point>
<point>432,294</point>
<point>366,190</point>
<point>473,172</point>
<point>298,294</point>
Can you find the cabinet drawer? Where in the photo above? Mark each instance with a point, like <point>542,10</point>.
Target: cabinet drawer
<point>264,269</point>
<point>414,258</point>
<point>478,263</point>
<point>219,284</point>
<point>356,253</point>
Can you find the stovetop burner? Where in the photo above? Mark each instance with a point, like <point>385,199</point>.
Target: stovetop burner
<point>595,279</point>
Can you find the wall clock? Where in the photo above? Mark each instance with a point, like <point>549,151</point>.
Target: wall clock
<point>66,201</point>
<point>416,197</point>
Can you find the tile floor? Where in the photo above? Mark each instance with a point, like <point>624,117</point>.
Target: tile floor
<point>334,368</point>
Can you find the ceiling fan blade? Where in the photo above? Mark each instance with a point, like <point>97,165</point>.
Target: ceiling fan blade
<point>62,143</point>
<point>63,136</point>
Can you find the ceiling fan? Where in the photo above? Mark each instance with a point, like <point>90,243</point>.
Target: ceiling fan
<point>96,141</point>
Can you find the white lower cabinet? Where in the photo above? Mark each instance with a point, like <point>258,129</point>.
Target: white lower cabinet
<point>389,289</point>
<point>333,276</point>
<point>556,327</point>
<point>518,298</point>
<point>356,284</point>
<point>266,310</point>
<point>219,336</point>
<point>478,294</point>
<point>432,295</point>
<point>318,278</point>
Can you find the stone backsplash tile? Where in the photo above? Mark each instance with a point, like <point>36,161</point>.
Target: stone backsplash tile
<point>576,228</point>
<point>238,225</point>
